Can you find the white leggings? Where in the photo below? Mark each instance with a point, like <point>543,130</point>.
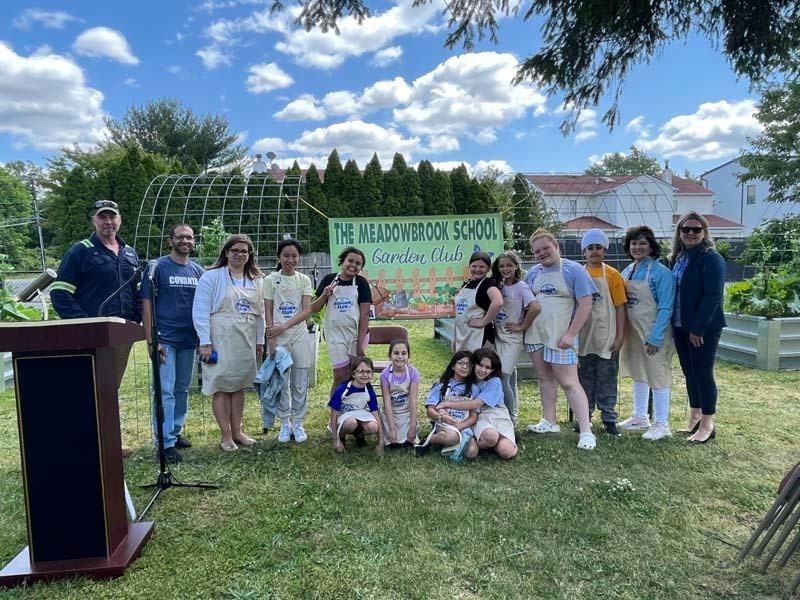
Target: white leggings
<point>661,397</point>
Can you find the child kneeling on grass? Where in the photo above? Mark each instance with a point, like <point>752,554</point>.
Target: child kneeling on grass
<point>354,407</point>
<point>452,427</point>
<point>494,429</point>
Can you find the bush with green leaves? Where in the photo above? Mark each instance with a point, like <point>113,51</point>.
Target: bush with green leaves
<point>10,309</point>
<point>776,243</point>
<point>769,293</point>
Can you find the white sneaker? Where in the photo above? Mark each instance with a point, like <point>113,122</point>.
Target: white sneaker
<point>299,433</point>
<point>658,431</point>
<point>543,426</point>
<point>587,441</point>
<point>635,423</point>
<point>286,433</point>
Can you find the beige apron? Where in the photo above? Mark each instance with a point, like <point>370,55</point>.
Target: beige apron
<point>557,304</point>
<point>354,406</point>
<point>466,337</point>
<point>287,301</point>
<point>234,329</point>
<point>401,408</point>
<point>634,361</point>
<point>600,329</point>
<point>496,418</point>
<point>342,316</point>
<point>508,344</point>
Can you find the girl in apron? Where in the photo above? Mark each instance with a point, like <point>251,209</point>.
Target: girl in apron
<point>452,427</point>
<point>647,349</point>
<point>347,297</point>
<point>229,318</point>
<point>494,429</point>
<point>287,304</point>
<point>551,338</point>
<point>518,312</point>
<point>476,306</point>
<point>399,388</point>
<point>354,407</point>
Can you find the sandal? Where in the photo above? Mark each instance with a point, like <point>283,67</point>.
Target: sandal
<point>544,426</point>
<point>587,441</point>
<point>228,446</point>
<point>245,440</point>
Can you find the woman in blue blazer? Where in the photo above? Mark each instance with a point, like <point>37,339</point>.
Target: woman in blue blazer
<point>698,319</point>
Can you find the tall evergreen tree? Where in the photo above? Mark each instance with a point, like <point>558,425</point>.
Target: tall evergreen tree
<point>441,194</point>
<point>351,187</point>
<point>317,223</point>
<point>333,186</point>
<point>425,174</point>
<point>460,182</point>
<point>371,194</point>
<point>412,194</point>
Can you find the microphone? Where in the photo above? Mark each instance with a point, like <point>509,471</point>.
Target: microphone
<point>152,265</point>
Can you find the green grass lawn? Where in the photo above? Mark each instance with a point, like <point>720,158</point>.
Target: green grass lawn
<point>633,519</point>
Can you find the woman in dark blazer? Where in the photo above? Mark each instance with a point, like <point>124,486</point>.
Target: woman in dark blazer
<point>698,319</point>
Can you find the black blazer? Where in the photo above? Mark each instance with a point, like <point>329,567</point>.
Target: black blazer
<point>701,291</point>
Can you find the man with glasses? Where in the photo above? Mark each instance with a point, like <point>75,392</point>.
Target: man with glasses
<point>93,270</point>
<point>175,280</point>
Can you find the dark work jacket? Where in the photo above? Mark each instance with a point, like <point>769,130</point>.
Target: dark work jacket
<point>701,291</point>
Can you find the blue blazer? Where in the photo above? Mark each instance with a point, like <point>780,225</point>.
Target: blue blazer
<point>701,291</point>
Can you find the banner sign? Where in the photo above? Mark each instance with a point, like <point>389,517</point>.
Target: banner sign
<point>416,265</point>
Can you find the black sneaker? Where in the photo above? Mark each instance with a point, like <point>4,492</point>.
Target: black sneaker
<point>421,450</point>
<point>264,430</point>
<point>172,455</point>
<point>183,442</point>
<point>611,428</point>
<point>576,428</point>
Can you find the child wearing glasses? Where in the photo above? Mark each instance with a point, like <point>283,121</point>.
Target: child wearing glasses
<point>399,387</point>
<point>354,407</point>
<point>452,427</point>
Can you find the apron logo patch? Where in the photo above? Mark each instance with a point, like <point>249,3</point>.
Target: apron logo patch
<point>461,307</point>
<point>243,306</point>
<point>287,309</point>
<point>399,399</point>
<point>596,297</point>
<point>548,289</point>
<point>633,300</point>
<point>342,304</point>
<point>501,316</point>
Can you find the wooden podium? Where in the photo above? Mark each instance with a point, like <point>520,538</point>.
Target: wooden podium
<point>66,375</point>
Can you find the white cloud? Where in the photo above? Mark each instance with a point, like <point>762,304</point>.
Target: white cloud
<point>213,56</point>
<point>265,145</point>
<point>46,103</point>
<point>715,130</point>
<point>437,144</point>
<point>340,103</point>
<point>586,125</point>
<point>635,125</point>
<point>49,19</point>
<point>486,136</point>
<point>131,82</point>
<point>355,139</point>
<point>471,92</point>
<point>387,56</point>
<point>105,42</point>
<point>305,108</point>
<point>385,94</point>
<point>267,77</point>
<point>450,165</point>
<point>482,167</point>
<point>584,135</point>
<point>174,69</point>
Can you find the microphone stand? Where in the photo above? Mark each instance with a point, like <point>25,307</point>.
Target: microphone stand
<point>165,479</point>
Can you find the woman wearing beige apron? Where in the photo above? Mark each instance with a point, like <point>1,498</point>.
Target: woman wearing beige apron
<point>228,314</point>
<point>647,350</point>
<point>347,297</point>
<point>287,304</point>
<point>564,292</point>
<point>518,312</point>
<point>476,306</point>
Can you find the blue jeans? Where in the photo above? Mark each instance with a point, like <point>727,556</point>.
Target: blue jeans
<point>176,374</point>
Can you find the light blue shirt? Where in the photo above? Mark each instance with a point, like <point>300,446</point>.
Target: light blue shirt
<point>662,286</point>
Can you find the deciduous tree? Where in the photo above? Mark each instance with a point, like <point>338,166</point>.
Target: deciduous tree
<point>636,162</point>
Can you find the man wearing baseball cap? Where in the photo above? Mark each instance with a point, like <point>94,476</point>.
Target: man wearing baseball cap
<point>92,270</point>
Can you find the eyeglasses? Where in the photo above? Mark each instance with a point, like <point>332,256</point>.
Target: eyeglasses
<point>106,204</point>
<point>363,371</point>
<point>237,251</point>
<point>691,229</point>
<point>184,237</point>
<point>464,363</point>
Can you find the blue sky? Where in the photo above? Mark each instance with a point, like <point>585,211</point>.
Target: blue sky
<point>387,86</point>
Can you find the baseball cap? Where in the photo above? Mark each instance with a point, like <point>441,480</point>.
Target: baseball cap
<point>105,205</point>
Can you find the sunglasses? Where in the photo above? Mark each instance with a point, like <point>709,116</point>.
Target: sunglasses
<point>105,204</point>
<point>691,229</point>
<point>237,251</point>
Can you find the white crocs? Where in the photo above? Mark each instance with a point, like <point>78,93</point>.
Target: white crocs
<point>544,426</point>
<point>587,441</point>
